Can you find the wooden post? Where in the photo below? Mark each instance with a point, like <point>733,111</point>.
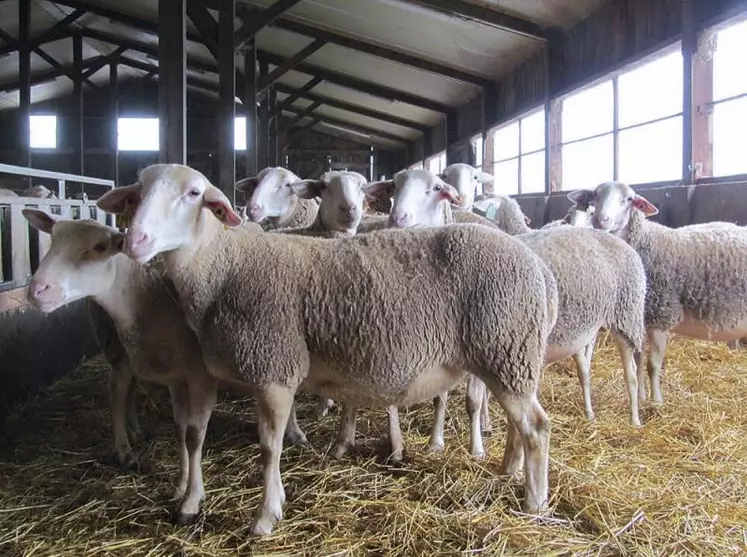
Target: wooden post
<point>227,95</point>
<point>172,81</point>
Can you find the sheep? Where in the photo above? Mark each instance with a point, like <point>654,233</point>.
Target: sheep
<point>388,318</point>
<point>612,298</point>
<point>150,339</point>
<point>7,193</point>
<point>466,179</point>
<point>574,217</point>
<point>694,273</point>
<point>39,191</point>
<point>271,202</point>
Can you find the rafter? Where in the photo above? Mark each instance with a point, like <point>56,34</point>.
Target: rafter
<point>104,61</point>
<point>262,20</point>
<point>300,116</point>
<point>61,25</point>
<point>352,126</point>
<point>46,76</point>
<point>296,94</point>
<point>289,64</point>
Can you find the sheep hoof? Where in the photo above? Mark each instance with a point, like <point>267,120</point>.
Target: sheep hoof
<point>434,448</point>
<point>179,493</point>
<point>341,449</point>
<point>261,526</point>
<point>635,422</point>
<point>124,460</point>
<point>185,519</point>
<point>396,456</point>
<point>532,507</point>
<point>296,438</point>
<point>590,416</point>
<point>478,455</point>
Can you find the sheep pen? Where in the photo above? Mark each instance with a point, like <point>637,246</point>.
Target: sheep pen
<point>678,485</point>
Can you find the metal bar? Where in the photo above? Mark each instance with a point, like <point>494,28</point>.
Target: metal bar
<point>104,61</point>
<point>114,119</point>
<point>37,173</point>
<point>486,16</point>
<point>296,93</point>
<point>59,26</point>
<point>250,106</point>
<point>77,101</point>
<point>226,62</point>
<point>381,52</point>
<point>24,83</point>
<point>290,63</point>
<point>250,29</point>
<point>689,50</point>
<point>172,86</point>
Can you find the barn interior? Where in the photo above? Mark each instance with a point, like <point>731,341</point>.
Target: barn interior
<point>547,96</point>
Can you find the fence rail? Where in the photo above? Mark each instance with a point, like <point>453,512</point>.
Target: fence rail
<point>61,177</point>
<point>21,246</point>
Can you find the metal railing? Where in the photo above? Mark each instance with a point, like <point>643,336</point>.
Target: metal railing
<point>21,246</point>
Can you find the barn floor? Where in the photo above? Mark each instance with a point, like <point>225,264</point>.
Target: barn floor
<point>677,486</point>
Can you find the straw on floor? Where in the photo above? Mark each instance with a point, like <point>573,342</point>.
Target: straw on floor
<point>678,485</point>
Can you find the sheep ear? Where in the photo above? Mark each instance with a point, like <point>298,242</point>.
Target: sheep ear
<point>645,206</point>
<point>119,200</point>
<point>582,198</point>
<point>379,190</point>
<point>485,178</point>
<point>247,185</point>
<point>218,203</point>
<point>527,220</point>
<point>308,189</point>
<point>39,220</point>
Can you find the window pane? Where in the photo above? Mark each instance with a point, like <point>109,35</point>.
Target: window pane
<point>506,142</point>
<point>441,162</point>
<point>477,145</point>
<point>588,113</point>
<point>651,91</point>
<point>43,132</point>
<point>651,153</point>
<point>587,164</point>
<point>239,133</point>
<point>416,166</point>
<point>137,134</point>
<point>506,176</point>
<point>729,75</point>
<point>533,173</point>
<point>729,129</point>
<point>533,132</point>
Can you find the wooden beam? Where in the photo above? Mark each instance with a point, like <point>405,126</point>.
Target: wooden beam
<point>381,52</point>
<point>452,135</point>
<point>352,126</point>
<point>354,108</point>
<point>461,9</point>
<point>300,116</point>
<point>689,52</point>
<point>296,93</point>
<point>290,63</point>
<point>24,83</point>
<point>8,39</point>
<point>272,150</point>
<point>260,21</point>
<point>363,86</point>
<point>61,25</point>
<point>249,96</point>
<point>108,59</point>
<point>73,75</point>
<point>43,77</point>
<point>263,127</point>
<point>77,112</point>
<point>227,96</point>
<point>114,120</point>
<point>172,86</point>
<point>58,35</point>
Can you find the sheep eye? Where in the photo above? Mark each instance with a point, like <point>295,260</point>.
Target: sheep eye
<point>194,192</point>
<point>437,187</point>
<point>100,247</point>
<point>476,177</point>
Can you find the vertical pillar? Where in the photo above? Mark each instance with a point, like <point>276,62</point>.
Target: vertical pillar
<point>77,101</point>
<point>227,94</point>
<point>172,81</point>
<point>272,97</point>
<point>554,144</point>
<point>452,135</point>
<point>702,107</point>
<point>427,144</point>
<point>250,106</point>
<point>114,119</point>
<point>689,50</point>
<point>24,74</point>
<point>263,129</point>
<point>489,117</point>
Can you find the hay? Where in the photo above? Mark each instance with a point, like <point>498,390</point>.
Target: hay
<point>677,486</point>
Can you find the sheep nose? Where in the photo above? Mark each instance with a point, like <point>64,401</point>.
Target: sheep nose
<point>38,288</point>
<point>399,219</point>
<point>137,237</point>
<point>349,209</point>
<point>255,208</point>
<point>604,218</point>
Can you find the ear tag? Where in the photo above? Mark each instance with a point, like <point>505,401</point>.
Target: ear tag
<point>491,212</point>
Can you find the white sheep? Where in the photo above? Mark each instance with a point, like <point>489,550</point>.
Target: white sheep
<point>272,203</point>
<point>611,296</point>
<point>388,318</point>
<point>151,339</point>
<point>467,180</point>
<point>695,273</point>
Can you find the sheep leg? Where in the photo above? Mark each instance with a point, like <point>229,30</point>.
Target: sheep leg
<point>436,443</point>
<point>396,442</point>
<point>133,426</point>
<point>532,426</point>
<point>119,385</point>
<point>346,434</point>
<point>584,377</point>
<point>180,406</point>
<point>631,379</point>
<point>474,400</point>
<point>274,402</point>
<point>641,372</point>
<point>293,432</point>
<point>657,340</point>
<point>513,454</point>
<point>485,423</point>
<point>203,394</point>
<point>323,405</point>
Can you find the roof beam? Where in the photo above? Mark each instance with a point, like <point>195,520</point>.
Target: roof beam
<point>289,64</point>
<point>104,61</point>
<point>297,94</point>
<point>71,74</point>
<point>61,25</point>
<point>494,18</point>
<point>367,87</point>
<point>352,126</point>
<point>262,20</point>
<point>300,116</point>
<point>354,108</point>
<point>381,52</point>
<point>56,36</point>
<point>9,40</point>
<point>46,76</point>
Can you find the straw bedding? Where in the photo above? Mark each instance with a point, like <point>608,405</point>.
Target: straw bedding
<point>677,486</point>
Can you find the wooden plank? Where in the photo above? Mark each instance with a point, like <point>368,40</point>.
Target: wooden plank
<point>20,255</point>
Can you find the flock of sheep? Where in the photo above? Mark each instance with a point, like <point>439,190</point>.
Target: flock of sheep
<point>317,287</point>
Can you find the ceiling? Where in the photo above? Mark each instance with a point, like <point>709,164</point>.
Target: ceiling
<point>391,67</point>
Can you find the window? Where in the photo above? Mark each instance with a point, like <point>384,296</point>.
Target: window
<point>477,148</point>
<point>137,134</point>
<point>730,101</point>
<point>643,145</point>
<point>417,166</point>
<point>518,158</point>
<point>42,131</point>
<point>239,133</point>
<point>437,163</point>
